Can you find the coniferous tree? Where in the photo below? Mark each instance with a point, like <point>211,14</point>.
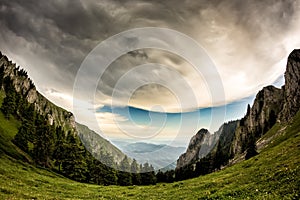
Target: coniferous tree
<point>44,143</point>
<point>124,177</point>
<point>59,152</point>
<point>9,102</point>
<point>74,165</point>
<point>251,150</point>
<point>148,175</point>
<point>20,139</point>
<point>136,176</point>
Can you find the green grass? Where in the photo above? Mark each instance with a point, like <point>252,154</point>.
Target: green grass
<point>273,174</point>
<point>8,129</point>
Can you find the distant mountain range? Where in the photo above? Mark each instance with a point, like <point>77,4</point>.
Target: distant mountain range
<point>161,156</point>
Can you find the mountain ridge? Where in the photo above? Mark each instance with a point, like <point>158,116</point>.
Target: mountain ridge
<point>54,114</point>
<point>272,105</point>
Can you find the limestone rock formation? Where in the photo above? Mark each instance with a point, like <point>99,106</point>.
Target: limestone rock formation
<point>192,152</point>
<point>291,103</point>
<point>24,86</point>
<point>271,105</point>
<point>258,119</point>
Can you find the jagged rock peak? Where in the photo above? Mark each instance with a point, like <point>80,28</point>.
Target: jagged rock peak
<point>292,82</point>
<point>198,138</point>
<point>192,152</point>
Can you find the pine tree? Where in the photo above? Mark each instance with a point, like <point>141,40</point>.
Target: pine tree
<point>148,174</point>
<point>59,152</point>
<point>251,150</point>
<point>136,176</point>
<point>44,143</point>
<point>21,140</point>
<point>124,177</point>
<point>9,102</point>
<point>74,165</point>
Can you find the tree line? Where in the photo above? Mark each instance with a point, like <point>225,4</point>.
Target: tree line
<point>52,147</point>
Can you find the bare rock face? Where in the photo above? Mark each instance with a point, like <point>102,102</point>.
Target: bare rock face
<point>292,82</point>
<point>271,105</point>
<point>192,152</point>
<point>24,86</point>
<point>259,119</point>
<point>204,143</point>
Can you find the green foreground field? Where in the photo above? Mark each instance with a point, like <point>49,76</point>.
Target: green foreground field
<point>273,174</point>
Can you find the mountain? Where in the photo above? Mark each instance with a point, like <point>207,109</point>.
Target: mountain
<point>48,136</point>
<point>271,105</point>
<point>204,142</point>
<point>291,103</point>
<point>259,119</point>
<point>273,174</point>
<point>97,145</point>
<point>193,150</point>
<point>161,156</point>
<point>26,90</point>
<point>55,115</point>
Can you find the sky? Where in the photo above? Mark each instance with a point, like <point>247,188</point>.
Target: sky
<point>151,91</point>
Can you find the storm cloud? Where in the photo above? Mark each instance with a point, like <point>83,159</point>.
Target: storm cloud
<point>247,40</point>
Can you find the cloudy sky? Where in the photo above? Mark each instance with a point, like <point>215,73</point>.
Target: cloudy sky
<point>246,41</point>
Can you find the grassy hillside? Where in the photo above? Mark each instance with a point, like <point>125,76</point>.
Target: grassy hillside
<point>273,174</point>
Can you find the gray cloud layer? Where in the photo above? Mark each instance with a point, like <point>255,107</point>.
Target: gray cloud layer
<point>246,39</point>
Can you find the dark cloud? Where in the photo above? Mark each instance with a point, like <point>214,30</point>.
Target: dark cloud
<point>51,38</point>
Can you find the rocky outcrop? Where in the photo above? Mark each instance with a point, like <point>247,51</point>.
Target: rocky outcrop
<point>291,104</point>
<point>26,92</point>
<point>271,105</point>
<point>24,86</point>
<point>258,119</point>
<point>193,150</point>
<point>204,143</point>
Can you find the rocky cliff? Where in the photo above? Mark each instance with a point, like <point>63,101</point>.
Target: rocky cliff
<point>24,86</point>
<point>204,143</point>
<point>53,114</point>
<point>193,150</point>
<point>291,104</point>
<point>271,105</point>
<point>258,119</point>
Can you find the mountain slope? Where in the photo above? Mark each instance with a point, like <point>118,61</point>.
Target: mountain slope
<point>53,114</point>
<point>261,177</point>
<point>97,145</point>
<point>203,143</point>
<point>46,135</point>
<point>271,105</point>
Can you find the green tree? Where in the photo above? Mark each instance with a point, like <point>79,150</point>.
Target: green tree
<point>21,140</point>
<point>251,150</point>
<point>136,176</point>
<point>74,165</point>
<point>9,103</point>
<point>124,177</point>
<point>44,143</point>
<point>59,152</point>
<point>148,175</point>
